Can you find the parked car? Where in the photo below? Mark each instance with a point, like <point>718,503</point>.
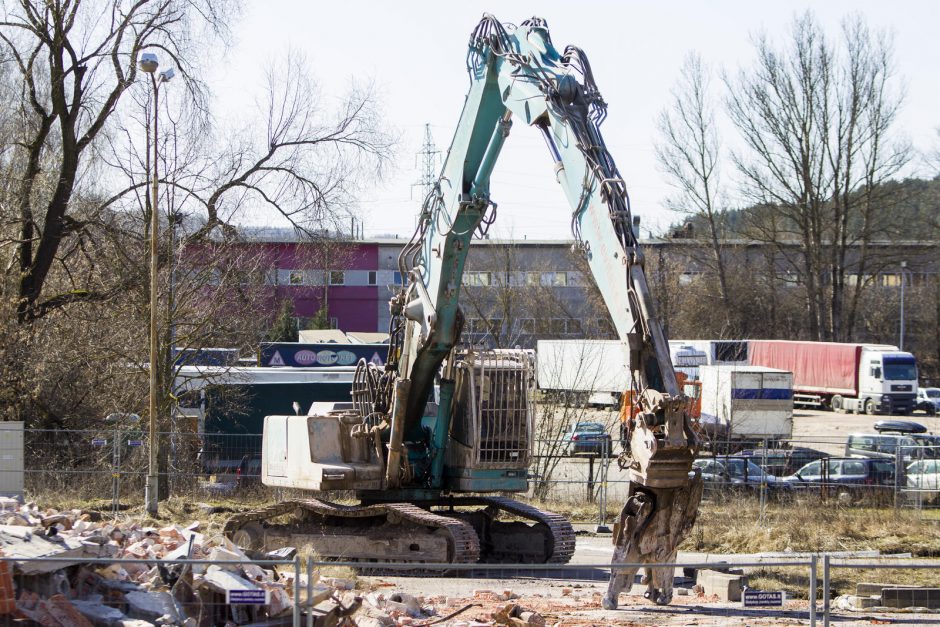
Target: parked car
<point>889,445</point>
<point>923,478</point>
<point>735,472</point>
<point>587,438</point>
<point>928,401</point>
<point>924,473</point>
<point>782,461</point>
<point>848,478</point>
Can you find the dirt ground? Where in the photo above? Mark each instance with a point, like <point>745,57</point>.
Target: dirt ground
<point>577,603</point>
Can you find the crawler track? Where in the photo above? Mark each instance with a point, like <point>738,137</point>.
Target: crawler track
<point>462,541</point>
<point>471,536</point>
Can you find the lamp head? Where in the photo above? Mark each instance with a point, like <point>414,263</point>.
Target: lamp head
<point>148,62</point>
<point>167,75</point>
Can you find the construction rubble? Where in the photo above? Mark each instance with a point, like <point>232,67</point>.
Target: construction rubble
<point>62,568</point>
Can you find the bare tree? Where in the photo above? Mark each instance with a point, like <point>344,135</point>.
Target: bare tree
<point>817,124</point>
<point>689,152</point>
<point>306,163</point>
<point>75,62</point>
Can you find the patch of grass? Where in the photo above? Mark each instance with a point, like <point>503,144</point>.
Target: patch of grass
<point>733,527</point>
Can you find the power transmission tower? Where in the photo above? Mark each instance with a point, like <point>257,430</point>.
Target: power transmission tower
<point>428,164</point>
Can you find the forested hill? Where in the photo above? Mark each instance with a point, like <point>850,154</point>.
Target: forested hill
<point>912,204</point>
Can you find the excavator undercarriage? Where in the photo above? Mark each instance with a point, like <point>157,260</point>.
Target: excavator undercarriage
<point>459,530</point>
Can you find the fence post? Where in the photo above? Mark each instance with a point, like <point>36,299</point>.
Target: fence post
<point>115,472</point>
<point>826,591</point>
<point>602,507</point>
<point>763,483</point>
<point>309,592</point>
<point>296,621</point>
<point>590,481</point>
<point>898,469</point>
<point>812,589</point>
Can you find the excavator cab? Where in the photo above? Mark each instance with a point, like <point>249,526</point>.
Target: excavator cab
<point>492,425</point>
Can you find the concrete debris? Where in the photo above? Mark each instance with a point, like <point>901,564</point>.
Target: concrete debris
<point>891,598</point>
<point>76,592</point>
<point>152,606</point>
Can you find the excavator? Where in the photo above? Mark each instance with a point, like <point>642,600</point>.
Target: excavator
<point>431,442</point>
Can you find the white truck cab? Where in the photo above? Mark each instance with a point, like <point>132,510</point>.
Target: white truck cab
<point>887,380</point>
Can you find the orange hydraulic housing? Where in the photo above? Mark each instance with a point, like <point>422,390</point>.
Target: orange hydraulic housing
<point>691,388</point>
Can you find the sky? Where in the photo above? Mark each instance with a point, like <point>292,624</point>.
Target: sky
<point>415,54</point>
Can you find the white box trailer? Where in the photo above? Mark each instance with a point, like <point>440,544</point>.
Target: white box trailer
<point>747,402</point>
<point>591,371</point>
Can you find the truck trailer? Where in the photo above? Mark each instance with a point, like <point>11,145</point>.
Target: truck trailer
<point>583,371</point>
<point>746,403</point>
<point>862,378</point>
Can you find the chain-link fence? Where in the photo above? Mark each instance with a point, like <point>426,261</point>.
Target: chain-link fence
<point>111,463</point>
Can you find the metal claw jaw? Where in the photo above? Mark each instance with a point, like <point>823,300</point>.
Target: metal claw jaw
<point>652,524</point>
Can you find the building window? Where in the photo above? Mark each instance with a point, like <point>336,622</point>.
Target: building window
<point>533,278</point>
<point>527,325</point>
<point>477,279</point>
<point>337,277</point>
<point>574,327</point>
<point>334,322</point>
<point>400,279</point>
<point>891,280</point>
<point>296,277</point>
<point>373,279</point>
<point>560,279</point>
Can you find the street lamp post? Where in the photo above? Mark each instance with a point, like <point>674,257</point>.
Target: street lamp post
<point>149,64</point>
<point>903,270</point>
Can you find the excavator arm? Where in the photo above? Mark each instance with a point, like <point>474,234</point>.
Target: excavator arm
<point>516,74</point>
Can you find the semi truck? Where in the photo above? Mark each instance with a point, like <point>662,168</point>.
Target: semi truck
<point>862,378</point>
<point>746,403</point>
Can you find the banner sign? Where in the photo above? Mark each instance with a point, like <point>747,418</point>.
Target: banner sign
<point>762,598</point>
<point>248,597</point>
<point>298,355</point>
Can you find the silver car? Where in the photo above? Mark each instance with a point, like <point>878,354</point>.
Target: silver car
<point>928,401</point>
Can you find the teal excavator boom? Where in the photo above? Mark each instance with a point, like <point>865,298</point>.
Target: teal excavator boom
<point>408,454</point>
